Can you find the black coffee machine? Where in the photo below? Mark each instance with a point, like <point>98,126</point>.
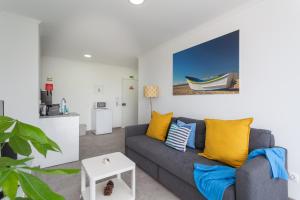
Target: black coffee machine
<point>46,98</point>
<point>46,107</point>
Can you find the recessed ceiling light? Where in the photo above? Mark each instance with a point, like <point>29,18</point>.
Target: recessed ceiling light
<point>87,55</point>
<point>136,2</point>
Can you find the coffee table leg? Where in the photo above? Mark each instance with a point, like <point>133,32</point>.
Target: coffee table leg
<point>92,190</point>
<point>133,183</point>
<point>83,179</point>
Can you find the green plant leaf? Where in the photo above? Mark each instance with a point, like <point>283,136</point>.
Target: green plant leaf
<point>5,123</point>
<point>10,186</point>
<point>8,162</point>
<point>13,172</point>
<point>19,145</point>
<point>35,135</point>
<point>32,133</point>
<point>41,148</point>
<point>34,188</point>
<point>5,136</point>
<point>53,145</point>
<point>53,171</point>
<point>24,133</point>
<point>4,174</point>
<point>44,148</point>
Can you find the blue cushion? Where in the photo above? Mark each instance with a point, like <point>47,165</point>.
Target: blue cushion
<point>191,140</point>
<point>178,136</point>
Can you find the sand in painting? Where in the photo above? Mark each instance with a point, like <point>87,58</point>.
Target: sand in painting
<point>184,89</point>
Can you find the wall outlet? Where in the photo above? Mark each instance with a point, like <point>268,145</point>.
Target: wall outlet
<point>293,176</point>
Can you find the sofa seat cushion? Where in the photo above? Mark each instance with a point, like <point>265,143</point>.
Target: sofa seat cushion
<point>178,163</point>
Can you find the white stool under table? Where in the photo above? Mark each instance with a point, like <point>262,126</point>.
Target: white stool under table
<point>97,169</point>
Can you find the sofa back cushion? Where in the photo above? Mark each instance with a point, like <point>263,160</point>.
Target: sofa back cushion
<point>178,136</point>
<point>200,131</point>
<point>259,138</point>
<point>159,125</point>
<point>227,141</point>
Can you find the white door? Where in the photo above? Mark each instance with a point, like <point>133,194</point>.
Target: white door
<point>129,102</point>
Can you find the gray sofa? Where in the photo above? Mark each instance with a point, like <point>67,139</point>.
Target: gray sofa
<point>174,169</point>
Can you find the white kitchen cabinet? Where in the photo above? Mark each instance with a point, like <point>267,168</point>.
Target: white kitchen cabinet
<point>64,130</point>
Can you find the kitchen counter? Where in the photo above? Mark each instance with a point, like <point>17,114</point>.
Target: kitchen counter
<point>64,130</point>
<point>62,115</point>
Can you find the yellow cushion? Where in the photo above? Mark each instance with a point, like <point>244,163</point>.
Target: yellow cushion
<point>159,125</point>
<point>227,141</point>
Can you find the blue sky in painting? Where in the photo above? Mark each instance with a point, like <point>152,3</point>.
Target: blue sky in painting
<point>218,56</point>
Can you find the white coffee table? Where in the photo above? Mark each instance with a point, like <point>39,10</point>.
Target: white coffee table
<point>96,170</point>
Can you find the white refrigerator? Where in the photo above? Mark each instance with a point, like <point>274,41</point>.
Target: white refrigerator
<point>103,121</point>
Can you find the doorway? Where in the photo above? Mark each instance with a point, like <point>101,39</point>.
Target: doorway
<point>129,102</point>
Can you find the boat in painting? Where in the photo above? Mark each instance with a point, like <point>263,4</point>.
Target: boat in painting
<point>223,81</point>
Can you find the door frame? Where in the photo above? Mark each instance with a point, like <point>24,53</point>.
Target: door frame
<point>124,79</point>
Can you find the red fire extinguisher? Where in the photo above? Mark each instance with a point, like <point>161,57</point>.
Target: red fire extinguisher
<point>49,86</point>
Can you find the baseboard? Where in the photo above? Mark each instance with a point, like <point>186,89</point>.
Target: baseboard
<point>90,132</point>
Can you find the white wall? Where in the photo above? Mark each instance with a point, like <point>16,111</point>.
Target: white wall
<point>77,82</point>
<point>269,74</point>
<point>19,66</point>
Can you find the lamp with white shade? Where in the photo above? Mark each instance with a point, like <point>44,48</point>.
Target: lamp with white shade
<point>151,91</point>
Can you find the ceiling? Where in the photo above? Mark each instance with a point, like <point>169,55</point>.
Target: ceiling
<point>113,31</point>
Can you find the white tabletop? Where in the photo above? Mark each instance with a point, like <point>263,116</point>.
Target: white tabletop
<point>96,169</point>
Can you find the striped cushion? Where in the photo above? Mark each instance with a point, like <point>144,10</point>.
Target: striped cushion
<point>178,136</point>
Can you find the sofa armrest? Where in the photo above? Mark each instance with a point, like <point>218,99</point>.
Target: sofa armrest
<point>254,181</point>
<point>136,130</point>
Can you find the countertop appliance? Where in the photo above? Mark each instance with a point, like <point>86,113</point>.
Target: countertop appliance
<point>103,121</point>
<point>53,110</point>
<point>101,105</point>
<point>46,98</point>
<point>50,110</point>
<point>46,106</point>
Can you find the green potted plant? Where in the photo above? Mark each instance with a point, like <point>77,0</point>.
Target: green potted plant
<point>21,137</point>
